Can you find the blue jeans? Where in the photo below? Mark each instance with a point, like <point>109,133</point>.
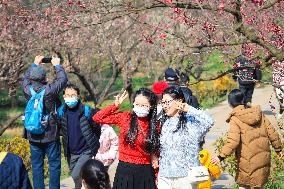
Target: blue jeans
<point>53,152</point>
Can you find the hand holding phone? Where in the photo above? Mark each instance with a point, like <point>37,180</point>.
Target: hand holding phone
<point>46,60</point>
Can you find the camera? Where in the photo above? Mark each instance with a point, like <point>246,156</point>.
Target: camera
<point>46,60</point>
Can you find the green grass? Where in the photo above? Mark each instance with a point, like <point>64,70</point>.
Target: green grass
<point>267,74</point>
<point>214,63</point>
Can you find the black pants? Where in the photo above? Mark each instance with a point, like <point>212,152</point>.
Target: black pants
<point>248,92</point>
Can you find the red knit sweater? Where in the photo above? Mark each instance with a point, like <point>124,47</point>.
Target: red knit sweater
<point>136,154</point>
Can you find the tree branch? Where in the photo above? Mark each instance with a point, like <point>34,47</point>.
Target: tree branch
<point>9,123</point>
<point>221,74</point>
<point>269,5</point>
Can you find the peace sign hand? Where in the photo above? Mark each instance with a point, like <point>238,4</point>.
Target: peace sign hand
<point>120,98</point>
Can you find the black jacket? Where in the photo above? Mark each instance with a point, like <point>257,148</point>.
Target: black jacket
<point>51,102</point>
<point>189,97</point>
<point>90,130</point>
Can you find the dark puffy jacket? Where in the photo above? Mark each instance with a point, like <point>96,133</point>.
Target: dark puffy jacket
<point>189,98</point>
<point>90,130</point>
<point>13,174</point>
<point>51,103</point>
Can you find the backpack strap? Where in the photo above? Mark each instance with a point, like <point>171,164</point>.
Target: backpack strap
<point>60,111</point>
<point>2,156</point>
<point>87,110</point>
<point>32,91</point>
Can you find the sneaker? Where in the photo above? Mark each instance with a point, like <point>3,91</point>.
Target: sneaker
<point>249,104</point>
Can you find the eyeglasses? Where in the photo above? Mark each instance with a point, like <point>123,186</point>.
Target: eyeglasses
<point>167,103</point>
<point>142,105</point>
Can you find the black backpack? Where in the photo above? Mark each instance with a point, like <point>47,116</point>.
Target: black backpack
<point>246,75</point>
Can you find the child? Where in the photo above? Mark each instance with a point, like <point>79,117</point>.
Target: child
<point>138,139</point>
<point>108,146</point>
<point>94,175</point>
<point>250,135</point>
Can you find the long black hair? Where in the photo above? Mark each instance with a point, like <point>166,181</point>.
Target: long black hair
<point>176,93</point>
<point>152,138</point>
<point>236,98</point>
<point>95,175</point>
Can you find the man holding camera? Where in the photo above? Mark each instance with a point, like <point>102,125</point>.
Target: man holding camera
<point>48,142</point>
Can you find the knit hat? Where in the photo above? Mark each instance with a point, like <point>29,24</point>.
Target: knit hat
<point>37,73</point>
<point>171,75</point>
<point>159,87</point>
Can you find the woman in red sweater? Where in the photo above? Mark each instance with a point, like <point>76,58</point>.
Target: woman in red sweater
<point>138,139</point>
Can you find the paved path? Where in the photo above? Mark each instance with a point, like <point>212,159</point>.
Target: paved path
<point>220,113</point>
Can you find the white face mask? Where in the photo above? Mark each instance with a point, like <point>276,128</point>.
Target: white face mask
<point>141,112</point>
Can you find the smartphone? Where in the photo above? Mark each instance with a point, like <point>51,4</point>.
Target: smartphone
<point>46,60</point>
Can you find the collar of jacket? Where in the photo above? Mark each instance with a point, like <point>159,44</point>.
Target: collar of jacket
<point>81,108</point>
<point>38,86</point>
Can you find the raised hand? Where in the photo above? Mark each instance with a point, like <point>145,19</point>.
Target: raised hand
<point>181,106</point>
<point>120,98</point>
<point>38,60</point>
<point>55,61</point>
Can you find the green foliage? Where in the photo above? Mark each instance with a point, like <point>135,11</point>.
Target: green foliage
<point>17,146</point>
<point>214,63</point>
<point>229,164</point>
<point>137,83</point>
<point>21,147</point>
<point>6,100</point>
<point>6,113</point>
<point>267,75</point>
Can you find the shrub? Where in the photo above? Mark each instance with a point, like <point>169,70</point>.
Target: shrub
<point>21,147</point>
<point>213,90</point>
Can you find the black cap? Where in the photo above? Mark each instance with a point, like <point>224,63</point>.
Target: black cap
<point>171,75</point>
